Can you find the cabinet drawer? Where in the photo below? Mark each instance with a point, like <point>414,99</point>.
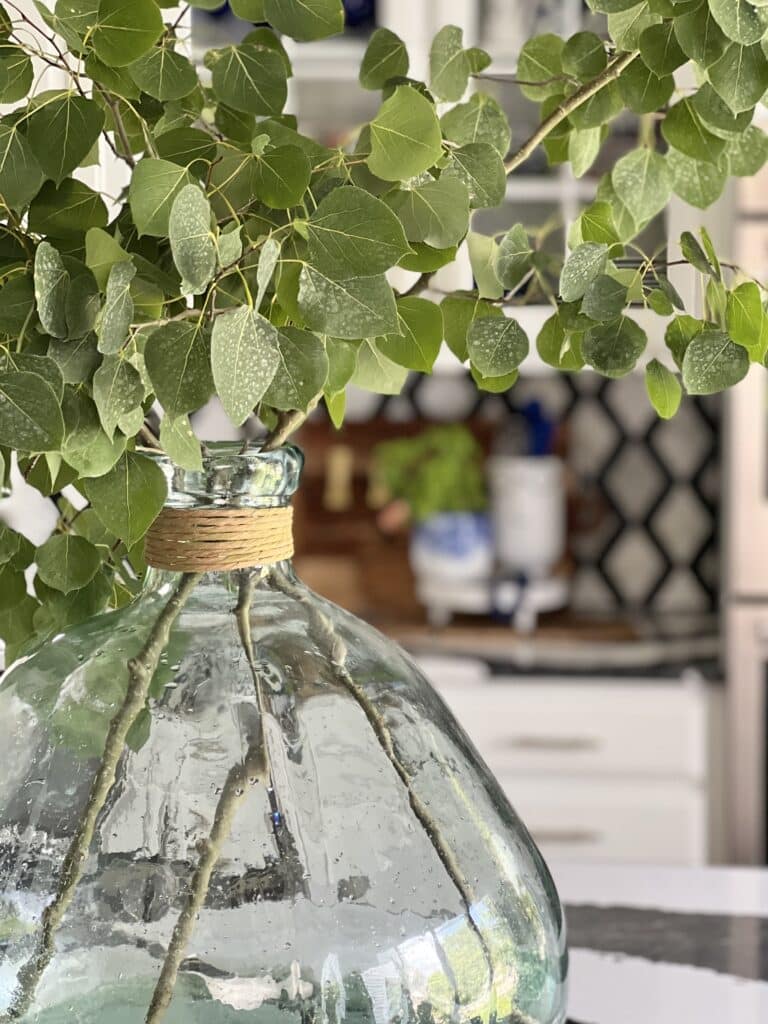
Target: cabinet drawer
<point>634,728</point>
<point>649,823</point>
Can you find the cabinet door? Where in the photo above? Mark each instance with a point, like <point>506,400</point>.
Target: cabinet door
<point>610,820</point>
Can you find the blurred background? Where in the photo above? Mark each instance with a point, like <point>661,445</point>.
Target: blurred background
<point>585,584</point>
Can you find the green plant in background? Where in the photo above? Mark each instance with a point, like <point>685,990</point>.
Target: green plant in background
<point>246,260</point>
<point>440,470</point>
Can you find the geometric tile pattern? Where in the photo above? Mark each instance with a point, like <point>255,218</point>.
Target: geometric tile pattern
<point>648,534</point>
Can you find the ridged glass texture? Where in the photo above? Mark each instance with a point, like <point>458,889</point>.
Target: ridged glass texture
<point>298,831</point>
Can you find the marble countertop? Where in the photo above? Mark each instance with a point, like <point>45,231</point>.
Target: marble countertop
<point>655,945</point>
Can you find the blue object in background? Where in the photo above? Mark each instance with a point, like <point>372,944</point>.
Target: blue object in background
<point>540,429</point>
<point>360,13</point>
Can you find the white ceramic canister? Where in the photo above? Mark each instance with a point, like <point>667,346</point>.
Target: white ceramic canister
<point>528,511</point>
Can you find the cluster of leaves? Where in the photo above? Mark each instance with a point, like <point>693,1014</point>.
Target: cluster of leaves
<point>247,260</point>
<point>439,470</point>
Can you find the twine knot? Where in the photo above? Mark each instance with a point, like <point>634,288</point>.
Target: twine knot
<point>218,539</point>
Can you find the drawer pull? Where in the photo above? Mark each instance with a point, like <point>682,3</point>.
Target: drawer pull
<point>565,835</point>
<point>564,743</point>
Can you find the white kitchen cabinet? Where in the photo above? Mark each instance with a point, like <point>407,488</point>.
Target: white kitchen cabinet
<point>615,770</point>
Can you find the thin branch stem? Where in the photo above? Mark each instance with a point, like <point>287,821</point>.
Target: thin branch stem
<point>141,669</point>
<point>287,424</point>
<point>613,69</point>
<point>336,650</point>
<point>233,793</point>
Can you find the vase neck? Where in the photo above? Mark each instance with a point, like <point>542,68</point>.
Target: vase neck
<point>231,514</point>
<point>233,477</point>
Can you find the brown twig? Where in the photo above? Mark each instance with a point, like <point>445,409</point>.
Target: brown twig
<point>612,71</point>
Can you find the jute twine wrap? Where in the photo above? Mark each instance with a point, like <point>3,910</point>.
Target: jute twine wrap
<point>213,539</point>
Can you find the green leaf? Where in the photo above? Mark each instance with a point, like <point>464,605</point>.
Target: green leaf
<point>164,74</point>
<point>177,357</point>
<point>626,26</point>
<point>66,562</point>
<point>699,35</point>
<point>301,373</point>
<point>20,174</point>
<point>483,255</point>
<point>663,389</point>
<point>405,136</point>
<point>154,186</point>
<point>16,73</point>
<point>248,10</point>
<point>282,176</point>
<point>740,76</point>
<point>513,257</point>
<point>695,255</point>
<point>596,223</point>
<point>358,307</point>
<point>41,365</point>
<point>250,78</point>
<point>748,153</point>
<point>86,448</point>
<point>435,212</point>
<point>30,416</point>
<point>717,115</point>
<point>540,67</point>
<point>118,392</point>
<point>496,347</point>
<point>584,56</point>
<point>191,238</point>
<point>481,169</point>
<point>67,210</point>
<point>269,254</point>
<point>117,315</point>
<point>746,318</point>
<point>181,445</point>
<point>352,233</point>
<point>342,362</point>
<point>128,498</point>
<point>713,363</point>
<point>420,337</point>
<point>558,348</point>
<point>375,372</point>
<point>244,359</point>
<point>125,30</point>
<point>739,20</point>
<point>613,348</point>
<point>683,129</point>
<point>480,119</point>
<point>642,90</point>
<point>101,254</point>
<point>62,131</point>
<point>51,285</point>
<point>583,265</point>
<point>385,57</point>
<point>642,180</point>
<point>604,299</point>
<point>17,301</point>
<point>459,312</point>
<point>583,149</point>
<point>229,246</point>
<point>448,64</point>
<point>12,588</point>
<point>77,360</point>
<point>699,184</point>
<point>494,385</point>
<point>660,50</point>
<point>305,19</point>
<point>188,147</point>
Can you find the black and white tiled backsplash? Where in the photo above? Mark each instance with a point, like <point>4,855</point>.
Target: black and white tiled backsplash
<point>646,535</point>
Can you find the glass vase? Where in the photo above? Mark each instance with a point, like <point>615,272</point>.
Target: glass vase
<point>231,801</point>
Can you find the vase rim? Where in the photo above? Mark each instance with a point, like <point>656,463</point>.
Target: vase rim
<point>234,476</point>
